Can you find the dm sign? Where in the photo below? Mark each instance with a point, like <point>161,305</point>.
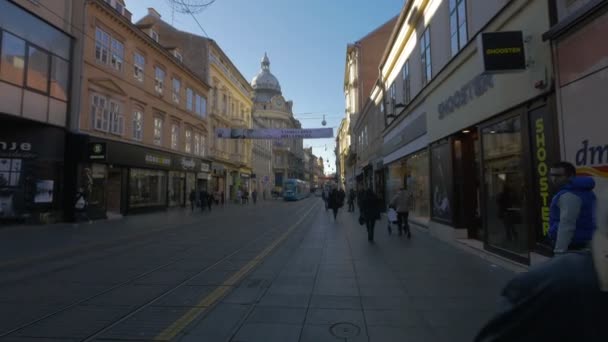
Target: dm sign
<point>97,151</point>
<point>503,51</point>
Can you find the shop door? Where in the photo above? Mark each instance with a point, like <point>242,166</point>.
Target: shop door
<point>467,183</point>
<point>505,199</point>
<point>114,187</point>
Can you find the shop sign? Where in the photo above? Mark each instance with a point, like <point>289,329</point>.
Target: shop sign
<point>16,149</point>
<point>244,175</point>
<point>503,51</point>
<point>205,167</point>
<point>541,171</point>
<point>473,89</point>
<point>97,151</point>
<point>188,164</point>
<point>158,160</point>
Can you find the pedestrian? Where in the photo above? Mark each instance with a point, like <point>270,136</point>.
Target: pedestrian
<point>210,201</point>
<point>572,214</point>
<point>254,196</point>
<point>351,200</point>
<point>370,212</point>
<point>192,198</point>
<point>325,196</point>
<point>334,202</point>
<point>203,199</point>
<point>222,198</point>
<point>239,196</point>
<point>81,206</point>
<point>341,197</point>
<point>401,202</point>
<point>264,194</point>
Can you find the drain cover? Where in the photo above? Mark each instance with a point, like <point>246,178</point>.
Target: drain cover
<point>345,330</point>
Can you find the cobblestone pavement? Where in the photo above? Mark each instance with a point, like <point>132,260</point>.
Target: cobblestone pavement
<point>275,271</point>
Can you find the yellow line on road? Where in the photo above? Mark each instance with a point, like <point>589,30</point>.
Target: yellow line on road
<point>179,325</point>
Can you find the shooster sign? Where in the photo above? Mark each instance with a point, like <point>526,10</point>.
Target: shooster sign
<point>503,51</point>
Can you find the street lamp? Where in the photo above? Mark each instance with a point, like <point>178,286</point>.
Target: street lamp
<point>323,122</point>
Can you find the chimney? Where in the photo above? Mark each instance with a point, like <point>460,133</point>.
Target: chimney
<point>153,12</point>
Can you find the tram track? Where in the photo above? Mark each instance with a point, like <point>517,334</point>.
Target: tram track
<point>267,234</point>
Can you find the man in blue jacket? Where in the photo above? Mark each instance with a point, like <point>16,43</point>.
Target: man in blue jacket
<point>572,216</point>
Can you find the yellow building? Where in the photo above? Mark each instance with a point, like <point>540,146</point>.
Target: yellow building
<point>142,141</point>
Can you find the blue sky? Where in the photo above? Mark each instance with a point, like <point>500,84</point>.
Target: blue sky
<point>305,41</point>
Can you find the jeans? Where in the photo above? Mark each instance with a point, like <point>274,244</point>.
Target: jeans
<point>402,222</point>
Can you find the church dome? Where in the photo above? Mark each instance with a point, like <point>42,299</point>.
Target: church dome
<point>265,80</point>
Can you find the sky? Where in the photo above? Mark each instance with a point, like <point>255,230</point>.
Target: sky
<point>305,41</point>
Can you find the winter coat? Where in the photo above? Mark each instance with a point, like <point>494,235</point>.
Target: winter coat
<point>402,201</point>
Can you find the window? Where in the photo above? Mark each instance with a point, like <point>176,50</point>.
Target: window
<point>458,25</point>
<point>158,131</point>
<point>60,71</point>
<point>102,46</point>
<point>392,98</point>
<point>203,146</point>
<point>189,99</point>
<point>138,124</point>
<point>188,143</point>
<point>197,104</point>
<point>225,104</point>
<point>37,69</point>
<point>119,7</point>
<point>425,56</point>
<point>203,111</point>
<point>406,82</point>
<point>139,65</point>
<point>177,84</point>
<point>100,113</point>
<point>109,50</point>
<point>10,172</point>
<point>117,120</point>
<point>197,144</point>
<point>154,35</point>
<point>178,55</point>
<point>159,80</point>
<point>12,65</point>
<point>174,135</point>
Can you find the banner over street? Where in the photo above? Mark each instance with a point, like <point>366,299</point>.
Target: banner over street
<point>274,133</point>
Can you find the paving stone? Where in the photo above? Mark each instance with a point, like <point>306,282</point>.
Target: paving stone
<point>147,324</point>
<point>318,333</point>
<point>265,332</point>
<point>129,295</point>
<point>212,277</point>
<point>395,318</point>
<point>335,302</point>
<point>400,334</point>
<point>279,315</point>
<point>216,325</point>
<point>188,295</point>
<point>279,300</point>
<point>333,316</point>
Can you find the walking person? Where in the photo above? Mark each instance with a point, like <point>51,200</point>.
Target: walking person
<point>239,196</point>
<point>192,198</point>
<point>572,214</point>
<point>203,199</point>
<point>401,202</point>
<point>370,212</point>
<point>210,201</point>
<point>254,196</point>
<point>325,196</point>
<point>351,200</point>
<point>334,202</point>
<point>222,198</point>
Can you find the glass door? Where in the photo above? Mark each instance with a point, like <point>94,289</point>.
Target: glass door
<point>504,184</point>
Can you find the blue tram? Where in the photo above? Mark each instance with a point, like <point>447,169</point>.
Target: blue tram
<point>295,189</point>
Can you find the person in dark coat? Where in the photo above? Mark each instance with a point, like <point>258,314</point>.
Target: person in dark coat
<point>210,200</point>
<point>333,202</point>
<point>351,200</point>
<point>203,197</point>
<point>370,212</point>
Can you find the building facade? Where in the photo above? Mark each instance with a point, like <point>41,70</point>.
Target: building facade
<point>262,163</point>
<point>140,140</point>
<point>466,140</point>
<point>342,150</point>
<point>580,86</point>
<point>229,104</point>
<point>271,109</point>
<point>362,108</point>
<point>36,69</point>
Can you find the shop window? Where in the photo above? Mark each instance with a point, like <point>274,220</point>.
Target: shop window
<point>139,65</point>
<point>10,172</point>
<point>458,25</point>
<point>441,182</point>
<point>147,188</point>
<point>425,56</point>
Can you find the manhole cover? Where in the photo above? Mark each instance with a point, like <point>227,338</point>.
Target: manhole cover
<point>345,330</point>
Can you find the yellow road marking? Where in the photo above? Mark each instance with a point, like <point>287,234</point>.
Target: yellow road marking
<point>175,328</point>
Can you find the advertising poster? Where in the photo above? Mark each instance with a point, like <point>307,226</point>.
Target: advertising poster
<point>441,182</point>
<point>44,191</point>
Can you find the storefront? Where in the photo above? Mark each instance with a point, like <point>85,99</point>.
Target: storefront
<point>492,136</point>
<point>406,159</point>
<point>31,177</point>
<point>120,178</point>
<point>581,92</point>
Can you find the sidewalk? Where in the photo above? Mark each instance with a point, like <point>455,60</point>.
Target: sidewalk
<point>328,283</point>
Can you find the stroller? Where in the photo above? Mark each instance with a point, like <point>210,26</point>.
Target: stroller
<point>392,219</point>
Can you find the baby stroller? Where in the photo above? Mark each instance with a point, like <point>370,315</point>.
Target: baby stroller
<point>392,219</point>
